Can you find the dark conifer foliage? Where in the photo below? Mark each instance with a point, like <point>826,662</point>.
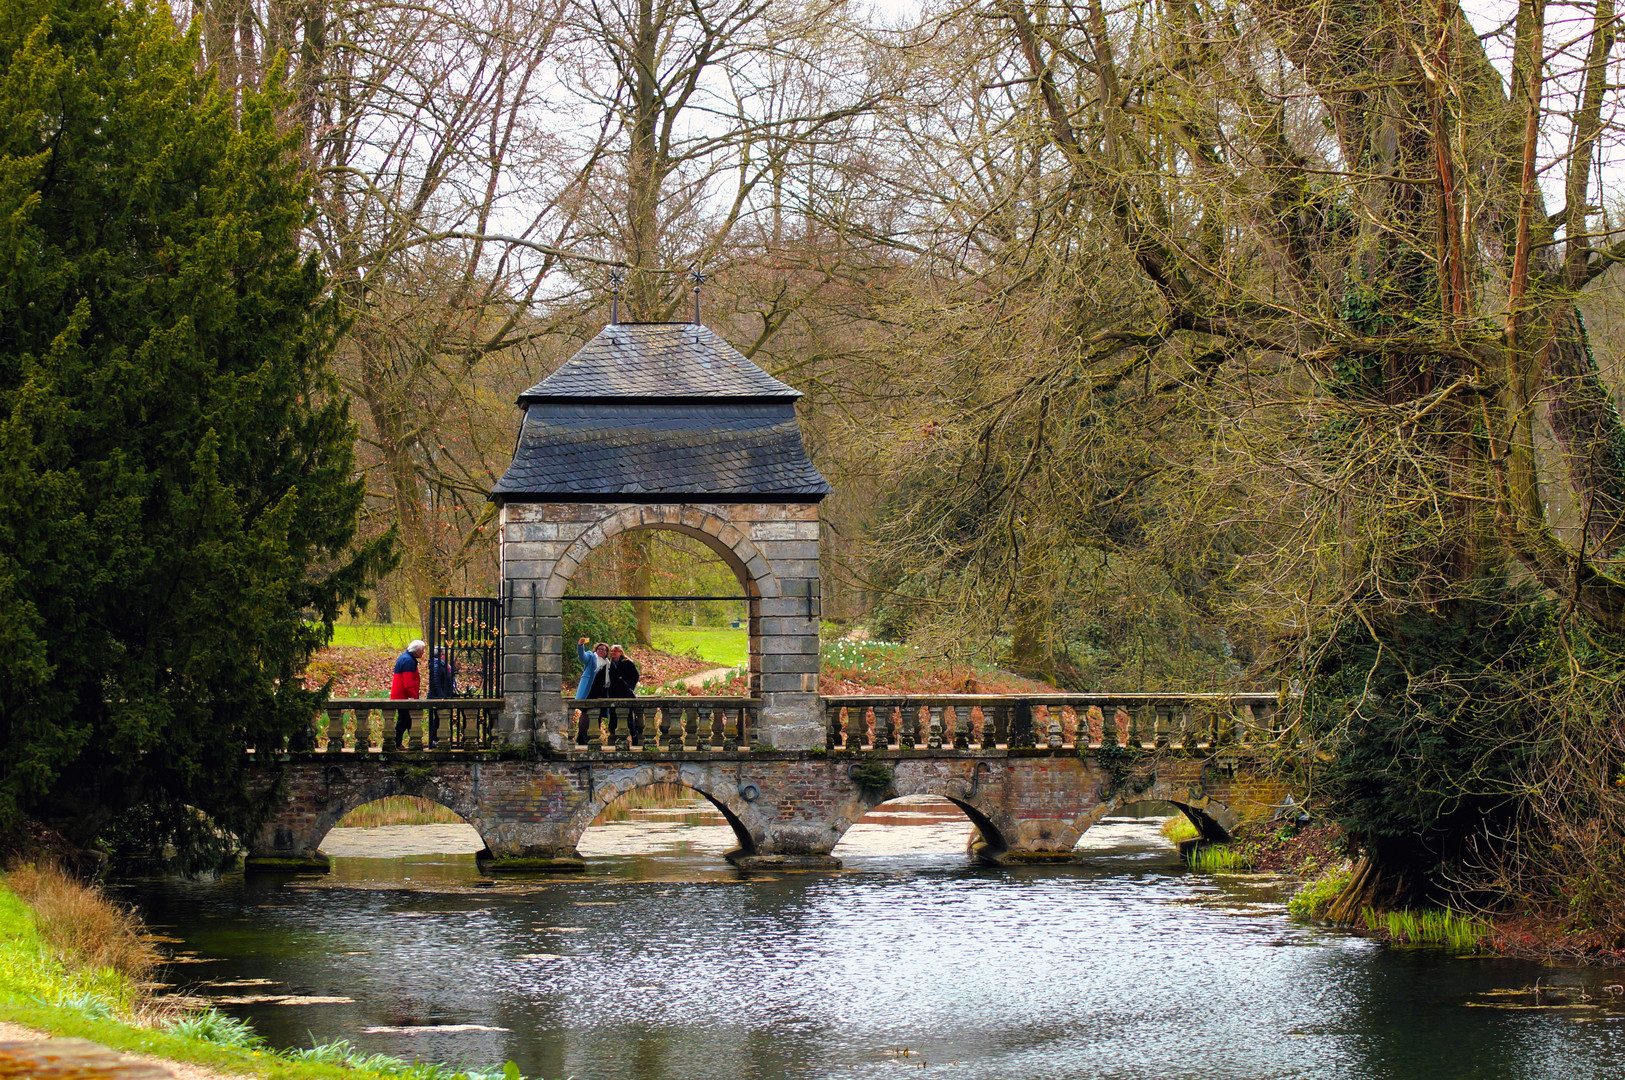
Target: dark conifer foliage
<point>178,494</point>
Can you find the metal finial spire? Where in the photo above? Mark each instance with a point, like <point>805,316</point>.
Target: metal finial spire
<point>698,278</point>
<point>617,277</point>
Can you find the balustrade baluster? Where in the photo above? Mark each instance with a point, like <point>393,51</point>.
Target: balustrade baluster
<point>832,726</point>
<point>885,726</point>
<point>733,733</point>
<point>1052,714</point>
<point>1091,726</point>
<point>363,731</point>
<point>853,715</point>
<point>908,731</point>
<point>1001,726</point>
<point>961,717</point>
<point>335,730</point>
<point>1021,724</point>
<point>933,733</point>
<point>679,724</point>
<point>1120,720</point>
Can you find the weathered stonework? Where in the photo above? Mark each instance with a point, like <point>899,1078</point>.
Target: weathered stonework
<point>785,808</point>
<point>771,547</point>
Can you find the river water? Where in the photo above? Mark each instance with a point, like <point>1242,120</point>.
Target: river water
<point>663,963</point>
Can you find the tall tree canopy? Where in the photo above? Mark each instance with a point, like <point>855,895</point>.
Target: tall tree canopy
<point>178,498</point>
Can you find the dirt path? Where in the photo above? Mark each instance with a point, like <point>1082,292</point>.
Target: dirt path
<point>13,1033</point>
<point>698,679</point>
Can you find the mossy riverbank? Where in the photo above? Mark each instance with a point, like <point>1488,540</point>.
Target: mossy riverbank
<point>50,981</point>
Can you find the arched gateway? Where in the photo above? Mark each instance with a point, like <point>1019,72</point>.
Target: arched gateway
<point>662,426</point>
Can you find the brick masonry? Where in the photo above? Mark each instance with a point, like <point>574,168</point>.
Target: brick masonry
<point>1026,804</point>
<point>772,547</point>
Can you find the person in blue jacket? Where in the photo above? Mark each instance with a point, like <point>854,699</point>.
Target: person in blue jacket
<point>442,684</point>
<point>594,679</point>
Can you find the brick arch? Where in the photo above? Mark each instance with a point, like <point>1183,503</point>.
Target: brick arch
<point>1213,819</point>
<point>982,811</point>
<point>713,530</point>
<point>749,829</point>
<point>345,797</point>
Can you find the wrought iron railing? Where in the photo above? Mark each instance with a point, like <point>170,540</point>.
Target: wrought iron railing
<point>466,631</point>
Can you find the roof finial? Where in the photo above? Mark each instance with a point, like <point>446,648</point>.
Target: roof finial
<point>617,276</point>
<point>698,279</point>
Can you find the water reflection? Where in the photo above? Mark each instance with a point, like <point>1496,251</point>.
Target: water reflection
<point>661,962</point>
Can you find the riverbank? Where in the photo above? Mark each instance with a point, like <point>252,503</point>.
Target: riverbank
<point>61,975</point>
<point>1318,855</point>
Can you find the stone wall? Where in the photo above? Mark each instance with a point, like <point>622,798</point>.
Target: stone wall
<point>772,547</point>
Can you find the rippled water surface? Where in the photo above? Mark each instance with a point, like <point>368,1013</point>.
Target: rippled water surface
<point>662,962</point>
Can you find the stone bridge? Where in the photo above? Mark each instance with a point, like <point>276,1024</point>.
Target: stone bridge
<point>1032,774</point>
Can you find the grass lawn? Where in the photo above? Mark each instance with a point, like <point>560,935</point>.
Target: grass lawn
<point>374,635</point>
<point>721,645</point>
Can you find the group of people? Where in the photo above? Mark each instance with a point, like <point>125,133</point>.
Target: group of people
<point>405,686</point>
<point>607,672</point>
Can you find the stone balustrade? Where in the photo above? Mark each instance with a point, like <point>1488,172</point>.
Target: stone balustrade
<point>851,722</point>
<point>666,723</point>
<point>1054,721</point>
<point>368,724</point>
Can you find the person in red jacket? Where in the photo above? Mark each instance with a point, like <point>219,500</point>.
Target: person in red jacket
<point>405,686</point>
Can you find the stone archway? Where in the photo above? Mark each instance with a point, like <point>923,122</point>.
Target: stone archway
<point>771,547</point>
<point>337,794</point>
<point>733,547</point>
<point>981,807</point>
<point>716,532</point>
<point>1213,819</point>
<point>748,827</point>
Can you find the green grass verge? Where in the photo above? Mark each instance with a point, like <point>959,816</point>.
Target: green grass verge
<point>40,991</point>
<point>1430,926</point>
<point>721,645</point>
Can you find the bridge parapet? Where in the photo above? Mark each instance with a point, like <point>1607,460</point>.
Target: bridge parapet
<point>368,725</point>
<point>989,722</point>
<point>851,722</point>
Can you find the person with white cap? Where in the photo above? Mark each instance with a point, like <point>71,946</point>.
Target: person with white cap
<point>405,685</point>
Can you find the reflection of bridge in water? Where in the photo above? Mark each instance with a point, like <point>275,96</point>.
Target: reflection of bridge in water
<point>1030,773</point>
<point>665,426</point>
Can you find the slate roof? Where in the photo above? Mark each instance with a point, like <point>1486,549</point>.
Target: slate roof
<point>658,360</point>
<point>656,412</point>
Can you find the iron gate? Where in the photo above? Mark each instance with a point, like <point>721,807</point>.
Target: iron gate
<point>467,632</point>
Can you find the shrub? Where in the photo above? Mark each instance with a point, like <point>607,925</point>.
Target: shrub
<point>1311,901</point>
<point>86,929</point>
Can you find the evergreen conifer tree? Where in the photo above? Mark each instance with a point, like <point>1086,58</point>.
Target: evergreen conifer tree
<point>178,496</point>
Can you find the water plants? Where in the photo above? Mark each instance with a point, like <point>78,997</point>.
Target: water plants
<point>1215,858</point>
<point>1428,926</point>
<point>1179,828</point>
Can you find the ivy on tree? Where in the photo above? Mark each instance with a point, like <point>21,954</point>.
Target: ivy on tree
<point>178,495</point>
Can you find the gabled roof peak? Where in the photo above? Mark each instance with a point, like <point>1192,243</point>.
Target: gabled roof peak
<point>658,360</point>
